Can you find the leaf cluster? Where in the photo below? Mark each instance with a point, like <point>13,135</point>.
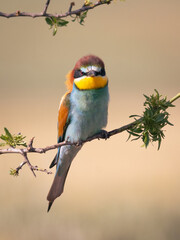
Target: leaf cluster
<point>149,126</point>
<point>13,172</point>
<point>80,17</point>
<point>54,23</point>
<point>12,140</point>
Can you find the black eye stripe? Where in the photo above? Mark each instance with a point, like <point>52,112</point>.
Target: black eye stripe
<point>78,73</point>
<point>102,73</point>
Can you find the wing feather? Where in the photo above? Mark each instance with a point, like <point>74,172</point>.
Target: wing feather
<point>63,122</point>
<point>63,116</point>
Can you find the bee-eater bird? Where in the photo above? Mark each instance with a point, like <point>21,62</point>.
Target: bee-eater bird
<point>82,113</point>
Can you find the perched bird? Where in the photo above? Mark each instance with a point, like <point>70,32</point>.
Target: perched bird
<point>82,113</point>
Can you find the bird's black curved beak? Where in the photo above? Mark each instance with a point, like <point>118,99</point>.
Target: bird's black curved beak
<point>92,73</point>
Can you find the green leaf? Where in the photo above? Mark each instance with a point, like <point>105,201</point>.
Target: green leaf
<point>54,20</point>
<point>3,137</point>
<point>146,139</point>
<point>134,139</point>
<point>54,31</point>
<point>2,144</point>
<point>24,145</point>
<point>8,134</point>
<point>132,133</point>
<point>134,116</point>
<point>82,17</point>
<point>169,123</point>
<point>128,137</point>
<point>147,98</point>
<point>49,21</point>
<point>160,117</point>
<point>159,143</point>
<point>62,23</point>
<point>137,130</point>
<point>157,93</point>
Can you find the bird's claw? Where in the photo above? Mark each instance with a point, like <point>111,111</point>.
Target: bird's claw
<point>79,143</point>
<point>104,134</point>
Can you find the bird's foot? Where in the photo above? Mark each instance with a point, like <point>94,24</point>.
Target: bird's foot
<point>79,143</point>
<point>104,134</point>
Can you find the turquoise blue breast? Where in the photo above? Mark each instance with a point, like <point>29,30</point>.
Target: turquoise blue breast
<point>88,113</point>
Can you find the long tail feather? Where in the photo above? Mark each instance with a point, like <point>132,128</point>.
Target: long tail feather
<point>49,206</point>
<point>57,188</point>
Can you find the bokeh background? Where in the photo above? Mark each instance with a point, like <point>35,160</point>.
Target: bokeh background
<point>115,189</point>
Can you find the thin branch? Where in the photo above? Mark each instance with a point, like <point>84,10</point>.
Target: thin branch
<point>30,145</point>
<point>36,168</point>
<point>19,168</point>
<point>30,149</point>
<point>175,98</point>
<point>46,7</point>
<point>28,162</point>
<point>45,14</point>
<point>15,172</point>
<point>100,135</point>
<point>71,6</point>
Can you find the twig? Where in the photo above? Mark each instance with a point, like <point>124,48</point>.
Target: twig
<point>29,149</point>
<point>30,145</point>
<point>19,168</point>
<point>28,162</point>
<point>101,135</point>
<point>46,7</point>
<point>15,172</point>
<point>36,168</point>
<point>45,14</point>
<point>71,6</point>
<point>175,98</point>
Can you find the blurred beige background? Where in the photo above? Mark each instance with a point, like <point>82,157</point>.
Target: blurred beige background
<point>115,189</point>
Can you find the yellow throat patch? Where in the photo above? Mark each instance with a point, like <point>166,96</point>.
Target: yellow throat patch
<point>87,83</point>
